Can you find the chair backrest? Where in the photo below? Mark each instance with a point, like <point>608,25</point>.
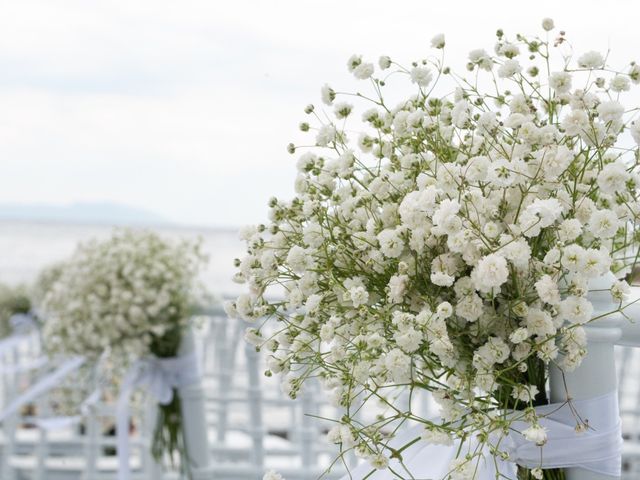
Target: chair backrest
<point>255,426</point>
<point>19,358</point>
<point>40,443</point>
<point>627,361</point>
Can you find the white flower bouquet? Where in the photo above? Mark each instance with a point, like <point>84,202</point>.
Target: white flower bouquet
<point>123,299</point>
<point>446,242</point>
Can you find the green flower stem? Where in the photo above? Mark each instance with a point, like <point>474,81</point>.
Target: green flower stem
<point>168,440</point>
<point>536,375</point>
<point>168,437</point>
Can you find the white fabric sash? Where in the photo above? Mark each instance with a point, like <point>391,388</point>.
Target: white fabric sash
<point>22,322</point>
<point>597,449</point>
<point>159,376</point>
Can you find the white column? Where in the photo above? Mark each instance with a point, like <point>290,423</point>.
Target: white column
<point>597,373</point>
<point>194,420</point>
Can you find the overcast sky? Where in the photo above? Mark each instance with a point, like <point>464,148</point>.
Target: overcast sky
<point>185,107</point>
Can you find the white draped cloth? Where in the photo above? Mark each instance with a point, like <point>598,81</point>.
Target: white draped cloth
<point>597,449</point>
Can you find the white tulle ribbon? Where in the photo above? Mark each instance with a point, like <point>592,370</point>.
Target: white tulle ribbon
<point>159,376</point>
<point>597,449</point>
<point>22,322</point>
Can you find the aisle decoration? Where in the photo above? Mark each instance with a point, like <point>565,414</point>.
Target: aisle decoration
<point>14,304</point>
<point>445,242</point>
<point>123,303</point>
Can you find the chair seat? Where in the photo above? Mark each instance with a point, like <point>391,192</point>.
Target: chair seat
<point>33,435</point>
<point>69,464</point>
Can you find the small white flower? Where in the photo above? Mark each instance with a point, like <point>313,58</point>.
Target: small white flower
<point>379,461</point>
<point>519,335</point>
<point>384,62</point>
<point>391,245</point>
<point>433,436</point>
<point>560,81</point>
<point>524,393</point>
<point>539,323</point>
<point>569,230</point>
<point>399,365</point>
<point>363,71</point>
<point>462,469</point>
<point>470,307</point>
<point>272,475</point>
<point>358,295</point>
<point>397,288</point>
<point>326,135</point>
<point>421,76</point>
<point>547,290</point>
<point>536,434</point>
<point>575,309</point>
<point>603,223</point>
<point>353,62</point>
<point>509,68</point>
<point>490,272</point>
<point>444,310</point>
<point>547,24</point>
<point>298,259</point>
<point>343,109</point>
<point>442,279</point>
<point>409,340</point>
<point>613,178</point>
<point>327,332</point>
<point>620,290</point>
<point>438,41</point>
<point>575,122</point>
<point>253,336</point>
<point>591,60</point>
<point>620,83</point>
<point>634,72</point>
<point>610,111</point>
<point>481,58</point>
<point>328,94</point>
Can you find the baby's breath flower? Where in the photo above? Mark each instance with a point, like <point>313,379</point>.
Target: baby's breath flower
<point>438,41</point>
<point>547,24</point>
<point>449,240</point>
<point>536,434</point>
<point>384,62</point>
<point>591,60</point>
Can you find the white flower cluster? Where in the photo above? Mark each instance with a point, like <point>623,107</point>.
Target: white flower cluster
<point>120,295</point>
<point>450,245</point>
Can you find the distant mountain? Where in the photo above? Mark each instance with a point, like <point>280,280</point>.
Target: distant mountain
<point>94,213</point>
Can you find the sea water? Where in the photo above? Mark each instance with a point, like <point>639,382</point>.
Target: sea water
<point>27,247</point>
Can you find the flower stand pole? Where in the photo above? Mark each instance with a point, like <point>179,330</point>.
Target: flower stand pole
<point>596,376</point>
<point>192,399</point>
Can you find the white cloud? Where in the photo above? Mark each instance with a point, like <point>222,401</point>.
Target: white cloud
<point>185,108</point>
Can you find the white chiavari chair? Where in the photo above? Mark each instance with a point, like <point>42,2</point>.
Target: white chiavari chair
<point>39,444</point>
<point>628,361</point>
<point>254,426</point>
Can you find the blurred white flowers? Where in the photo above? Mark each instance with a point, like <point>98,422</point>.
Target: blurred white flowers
<point>118,296</point>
